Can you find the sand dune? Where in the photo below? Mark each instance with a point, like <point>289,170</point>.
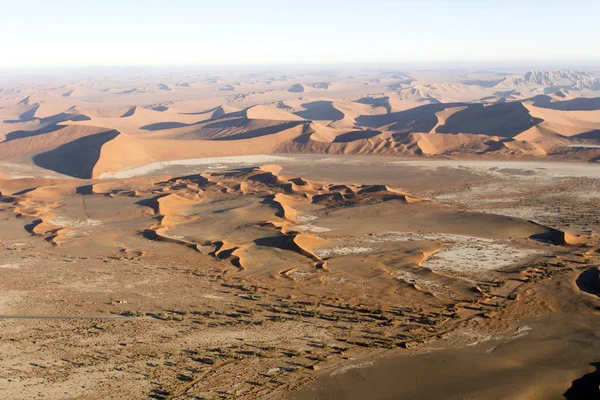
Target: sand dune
<point>296,88</point>
<point>271,206</point>
<point>437,119</point>
<point>253,131</point>
<point>383,101</point>
<point>217,124</point>
<point>576,104</point>
<point>441,92</point>
<point>566,123</point>
<point>543,138</point>
<point>592,135</point>
<point>270,113</point>
<point>320,111</point>
<point>115,156</point>
<point>41,106</point>
<point>139,119</point>
<point>76,158</point>
<point>29,146</point>
<point>505,120</point>
<point>435,143</point>
<point>322,133</point>
<point>419,119</point>
<point>569,79</point>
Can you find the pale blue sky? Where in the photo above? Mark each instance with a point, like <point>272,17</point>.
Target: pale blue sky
<point>46,33</point>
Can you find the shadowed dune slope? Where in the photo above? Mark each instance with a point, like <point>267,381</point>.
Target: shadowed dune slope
<point>418,119</point>
<point>504,120</point>
<point>252,122</point>
<point>258,112</point>
<point>355,135</point>
<point>76,158</point>
<point>241,128</point>
<point>577,104</point>
<point>594,135</point>
<point>46,125</point>
<point>27,147</point>
<point>320,111</point>
<point>124,151</point>
<point>377,102</point>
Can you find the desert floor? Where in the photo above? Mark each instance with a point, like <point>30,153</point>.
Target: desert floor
<point>300,277</point>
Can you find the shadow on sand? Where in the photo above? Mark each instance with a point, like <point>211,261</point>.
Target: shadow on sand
<point>589,282</point>
<point>76,158</point>
<point>587,387</point>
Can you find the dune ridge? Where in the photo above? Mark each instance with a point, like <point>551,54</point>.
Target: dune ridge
<point>174,205</point>
<point>531,115</point>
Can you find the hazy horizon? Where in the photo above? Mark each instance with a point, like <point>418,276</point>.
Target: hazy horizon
<point>68,34</point>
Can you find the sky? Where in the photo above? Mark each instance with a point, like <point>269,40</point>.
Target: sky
<point>83,33</point>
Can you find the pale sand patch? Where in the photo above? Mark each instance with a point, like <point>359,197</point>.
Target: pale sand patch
<point>306,218</point>
<point>215,162</point>
<point>341,251</point>
<point>411,236</point>
<point>308,226</point>
<point>346,368</point>
<point>311,228</point>
<point>462,253</point>
<point>75,223</point>
<point>23,171</point>
<point>77,234</point>
<point>9,266</point>
<point>544,168</point>
<point>475,257</point>
<point>413,279</point>
<point>519,333</point>
<point>301,274</point>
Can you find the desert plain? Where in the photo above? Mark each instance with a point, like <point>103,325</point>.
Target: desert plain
<point>307,234</point>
